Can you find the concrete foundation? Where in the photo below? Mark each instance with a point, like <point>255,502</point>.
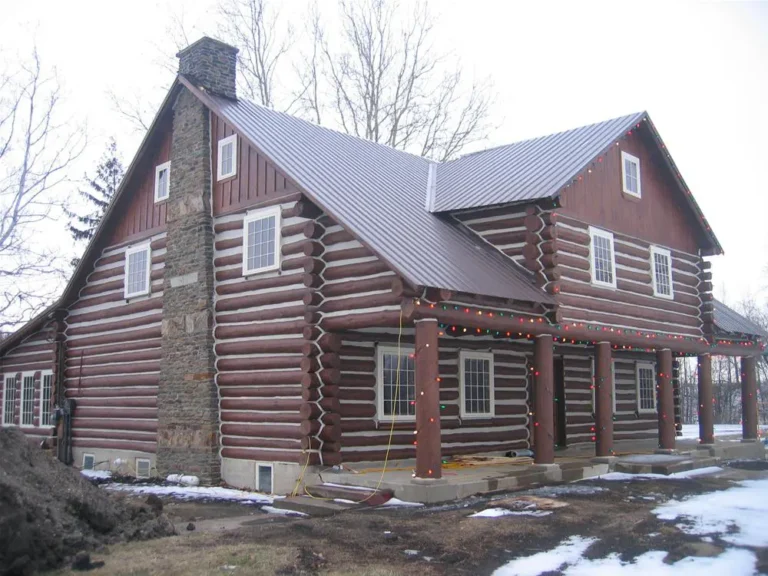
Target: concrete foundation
<point>244,474</point>
<point>105,460</point>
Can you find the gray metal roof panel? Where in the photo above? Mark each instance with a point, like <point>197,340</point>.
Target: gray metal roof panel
<point>379,194</point>
<point>730,321</point>
<point>527,170</point>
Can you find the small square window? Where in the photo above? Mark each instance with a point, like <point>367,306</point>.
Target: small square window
<point>476,386</point>
<point>630,170</point>
<point>89,461</point>
<point>162,182</point>
<point>603,258</point>
<point>396,383</point>
<point>46,392</point>
<point>264,479</point>
<point>261,241</point>
<point>9,400</point>
<point>138,264</point>
<point>646,387</point>
<point>143,467</point>
<point>227,158</point>
<point>661,269</point>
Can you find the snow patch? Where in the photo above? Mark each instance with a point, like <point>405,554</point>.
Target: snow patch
<point>496,512</point>
<point>398,502</point>
<point>194,492</point>
<point>97,474</point>
<point>623,476</point>
<point>282,512</point>
<point>569,552</point>
<point>731,562</point>
<point>186,480</point>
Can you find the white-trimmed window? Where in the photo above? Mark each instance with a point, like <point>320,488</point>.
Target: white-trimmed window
<point>602,258</point>
<point>476,384</point>
<point>227,158</point>
<point>138,264</point>
<point>143,467</point>
<point>396,397</point>
<point>646,387</point>
<point>162,181</point>
<point>261,241</point>
<point>630,171</point>
<point>89,461</point>
<point>9,399</point>
<point>661,268</point>
<point>28,399</point>
<point>46,393</point>
<point>613,386</point>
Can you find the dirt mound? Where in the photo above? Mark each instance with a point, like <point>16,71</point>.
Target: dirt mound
<point>49,512</point>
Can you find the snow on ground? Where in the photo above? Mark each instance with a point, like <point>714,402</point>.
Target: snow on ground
<point>568,552</point>
<point>691,431</point>
<point>398,502</point>
<point>675,476</point>
<point>194,493</point>
<point>737,514</point>
<point>282,512</point>
<point>96,474</point>
<point>565,490</point>
<point>496,512</point>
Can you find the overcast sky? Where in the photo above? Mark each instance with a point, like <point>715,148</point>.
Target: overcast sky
<point>699,69</point>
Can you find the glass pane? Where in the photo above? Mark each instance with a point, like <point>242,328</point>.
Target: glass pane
<point>137,272</point>
<point>261,249</point>
<point>399,384</point>
<point>477,386</point>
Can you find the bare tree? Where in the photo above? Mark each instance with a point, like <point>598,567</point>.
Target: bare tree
<point>36,152</point>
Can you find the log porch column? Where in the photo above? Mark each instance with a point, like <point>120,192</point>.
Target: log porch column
<point>428,456</point>
<point>544,426</point>
<point>706,410</point>
<point>749,398</point>
<point>666,399</point>
<point>603,400</point>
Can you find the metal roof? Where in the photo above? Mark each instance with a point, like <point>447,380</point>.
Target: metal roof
<point>730,321</point>
<point>527,170</point>
<point>379,194</point>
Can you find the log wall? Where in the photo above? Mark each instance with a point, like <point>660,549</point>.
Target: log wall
<point>504,228</point>
<point>113,356</point>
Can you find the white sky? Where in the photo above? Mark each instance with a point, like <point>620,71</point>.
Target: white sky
<point>699,69</point>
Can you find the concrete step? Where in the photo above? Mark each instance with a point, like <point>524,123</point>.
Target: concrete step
<point>368,496</point>
<point>311,506</point>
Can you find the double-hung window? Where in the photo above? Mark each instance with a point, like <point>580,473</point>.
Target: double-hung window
<point>646,387</point>
<point>396,383</point>
<point>138,264</point>
<point>476,386</point>
<point>227,158</point>
<point>630,170</point>
<point>661,268</point>
<point>28,399</point>
<point>9,399</point>
<point>46,393</point>
<point>602,258</point>
<point>162,181</point>
<point>261,241</point>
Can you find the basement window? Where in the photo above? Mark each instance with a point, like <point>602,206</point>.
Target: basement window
<point>46,392</point>
<point>630,170</point>
<point>143,467</point>
<point>9,400</point>
<point>264,478</point>
<point>646,387</point>
<point>602,258</point>
<point>661,268</point>
<point>261,241</point>
<point>28,399</point>
<point>138,262</point>
<point>89,461</point>
<point>162,181</point>
<point>396,397</point>
<point>476,386</point>
<point>227,158</point>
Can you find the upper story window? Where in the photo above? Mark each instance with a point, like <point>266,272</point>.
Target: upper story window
<point>138,262</point>
<point>646,387</point>
<point>661,268</point>
<point>9,400</point>
<point>396,378</point>
<point>162,181</point>
<point>261,240</point>
<point>602,258</point>
<point>46,392</point>
<point>227,157</point>
<point>28,399</point>
<point>476,386</point>
<point>630,170</point>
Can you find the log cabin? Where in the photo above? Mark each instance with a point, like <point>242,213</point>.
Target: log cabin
<point>264,294</point>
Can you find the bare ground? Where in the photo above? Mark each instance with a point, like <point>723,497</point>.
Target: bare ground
<point>235,539</point>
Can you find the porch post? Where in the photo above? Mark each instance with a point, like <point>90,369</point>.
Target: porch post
<point>706,410</point>
<point>749,398</point>
<point>603,400</point>
<point>428,456</point>
<point>666,399</point>
<point>544,426</point>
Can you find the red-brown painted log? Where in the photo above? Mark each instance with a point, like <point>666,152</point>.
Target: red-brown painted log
<point>355,270</point>
<point>337,237</point>
<point>500,224</point>
<point>112,326</point>
<point>88,360</point>
<point>265,363</point>
<point>260,378</point>
<point>705,399</point>
<point>245,442</point>
<point>749,398</point>
<point>137,425</point>
<point>666,399</point>
<point>262,431</point>
<point>149,391</point>
<point>624,305</point>
<point>259,284</point>
<point>277,346</point>
<point>251,330</point>
<point>347,254</point>
<point>287,391</point>
<point>428,455</point>
<point>264,455</point>
<point>603,400</point>
<point>113,381</point>
<point>313,394</point>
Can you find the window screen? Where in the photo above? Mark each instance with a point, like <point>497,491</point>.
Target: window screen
<point>398,384</point>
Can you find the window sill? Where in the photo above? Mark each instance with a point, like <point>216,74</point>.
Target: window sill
<point>224,179</point>
<point>603,285</point>
<point>476,417</point>
<point>161,200</point>
<point>631,197</point>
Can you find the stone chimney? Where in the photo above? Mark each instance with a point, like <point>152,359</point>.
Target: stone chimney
<point>210,64</point>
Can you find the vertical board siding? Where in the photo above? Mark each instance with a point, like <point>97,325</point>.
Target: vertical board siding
<point>113,356</point>
<point>256,180</point>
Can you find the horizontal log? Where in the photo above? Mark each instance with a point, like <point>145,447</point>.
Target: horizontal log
<point>136,425</point>
<point>346,254</point>
<point>294,311</point>
<point>314,428</point>
<point>109,392</point>
<point>253,330</point>
<point>117,403</point>
<point>261,417</point>
<point>280,281</point>
<point>360,302</point>
<point>263,299</point>
<point>245,442</point>
<point>124,310</point>
<point>506,237</point>
<point>355,270</point>
<point>152,344</point>
<point>261,455</point>
<point>115,435</point>
<point>113,381</point>
<point>360,286</point>
<point>113,326</point>
<point>642,265</point>
<point>130,413</point>
<point>391,318</point>
<point>278,346</point>
<point>138,356</point>
<point>573,236</point>
<point>633,323</point>
<point>147,447</point>
<point>618,306</point>
<point>262,431</point>
<point>337,237</point>
<point>260,363</point>
<point>500,224</point>
<point>103,370</point>
<point>237,393</point>
<point>277,378</point>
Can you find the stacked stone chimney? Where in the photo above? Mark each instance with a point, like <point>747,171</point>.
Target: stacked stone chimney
<point>188,403</point>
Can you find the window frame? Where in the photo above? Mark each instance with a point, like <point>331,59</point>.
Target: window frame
<point>259,466</point>
<point>636,161</point>
<point>88,455</point>
<point>41,413</point>
<point>219,164</point>
<point>663,252</point>
<point>159,168</point>
<point>380,351</point>
<point>261,214</point>
<point>652,367</point>
<point>149,467</point>
<point>472,355</point>
<point>24,376</point>
<point>6,377</point>
<point>598,232</point>
<point>133,250</point>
